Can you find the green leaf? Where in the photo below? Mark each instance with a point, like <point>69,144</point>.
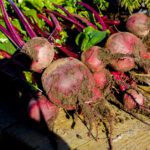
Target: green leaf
<point>89,37</point>
<point>63,37</point>
<point>97,36</point>
<point>85,43</point>
<point>38,4</point>
<point>79,38</point>
<point>29,77</point>
<point>17,24</point>
<point>6,45</point>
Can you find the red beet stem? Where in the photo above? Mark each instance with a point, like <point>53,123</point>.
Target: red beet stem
<point>23,19</point>
<point>5,54</point>
<point>41,16</point>
<point>67,52</point>
<point>56,22</point>
<point>66,17</point>
<point>67,13</point>
<point>112,22</point>
<point>87,22</point>
<point>104,17</point>
<point>97,16</point>
<point>13,32</point>
<point>37,29</point>
<point>7,33</point>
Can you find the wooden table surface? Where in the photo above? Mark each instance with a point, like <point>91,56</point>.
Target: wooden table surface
<point>130,134</point>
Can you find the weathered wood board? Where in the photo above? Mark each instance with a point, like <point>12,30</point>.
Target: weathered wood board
<point>130,134</point>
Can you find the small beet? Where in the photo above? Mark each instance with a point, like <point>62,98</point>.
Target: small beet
<point>92,59</point>
<point>123,64</point>
<point>33,110</point>
<point>42,106</point>
<point>132,98</point>
<point>101,79</point>
<point>40,51</point>
<point>48,109</point>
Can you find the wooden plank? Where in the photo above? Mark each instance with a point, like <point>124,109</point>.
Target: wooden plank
<point>127,135</point>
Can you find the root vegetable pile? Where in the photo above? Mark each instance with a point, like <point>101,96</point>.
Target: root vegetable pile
<point>89,82</point>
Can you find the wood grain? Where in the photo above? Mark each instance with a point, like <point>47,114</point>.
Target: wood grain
<point>129,134</point>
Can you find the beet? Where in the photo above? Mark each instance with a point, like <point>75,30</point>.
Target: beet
<point>123,64</point>
<point>42,106</point>
<point>138,24</point>
<point>40,51</point>
<point>66,81</point>
<point>101,78</point>
<point>48,109</point>
<point>127,50</point>
<point>92,59</point>
<point>33,110</point>
<point>124,43</point>
<point>69,84</point>
<point>132,98</point>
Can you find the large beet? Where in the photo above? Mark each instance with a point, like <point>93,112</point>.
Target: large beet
<point>66,81</point>
<point>70,84</point>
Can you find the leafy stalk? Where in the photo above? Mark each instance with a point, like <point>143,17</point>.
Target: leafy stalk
<point>67,52</point>
<point>88,23</point>
<point>56,22</point>
<point>66,11</point>
<point>37,28</point>
<point>4,54</point>
<point>97,16</point>
<point>23,19</point>
<point>41,16</point>
<point>7,33</point>
<point>13,32</point>
<point>66,17</point>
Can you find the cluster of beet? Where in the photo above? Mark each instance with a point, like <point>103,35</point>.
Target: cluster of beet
<point>85,84</point>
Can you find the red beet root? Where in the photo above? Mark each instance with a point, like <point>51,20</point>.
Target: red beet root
<point>42,106</point>
<point>123,64</point>
<point>123,81</point>
<point>34,111</point>
<point>92,59</point>
<point>101,79</point>
<point>132,98</point>
<point>124,43</point>
<point>67,80</point>
<point>138,24</point>
<point>40,51</point>
<point>48,110</point>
